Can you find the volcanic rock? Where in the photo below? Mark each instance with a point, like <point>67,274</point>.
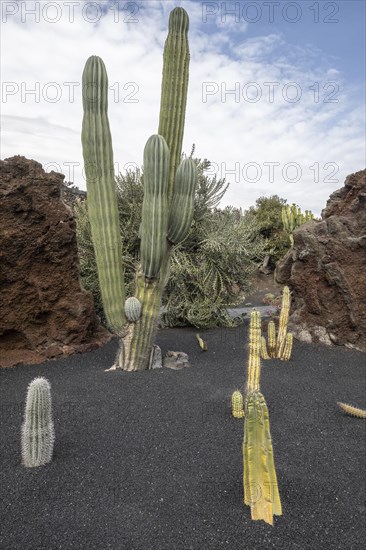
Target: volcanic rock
<point>326,269</point>
<point>45,312</point>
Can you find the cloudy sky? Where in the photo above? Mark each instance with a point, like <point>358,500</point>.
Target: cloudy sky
<point>276,90</point>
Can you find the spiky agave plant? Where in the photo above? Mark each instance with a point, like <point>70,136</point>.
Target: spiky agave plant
<point>37,430</point>
<point>280,347</point>
<point>167,212</point>
<point>259,476</point>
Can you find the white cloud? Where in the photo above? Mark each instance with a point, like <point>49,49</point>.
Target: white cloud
<point>229,128</point>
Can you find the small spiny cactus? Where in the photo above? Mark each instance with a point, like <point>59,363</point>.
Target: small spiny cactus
<point>352,411</point>
<point>37,430</point>
<point>132,309</point>
<point>237,404</point>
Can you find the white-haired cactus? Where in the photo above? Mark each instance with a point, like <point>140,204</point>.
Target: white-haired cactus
<point>132,309</point>
<point>168,196</point>
<point>37,430</point>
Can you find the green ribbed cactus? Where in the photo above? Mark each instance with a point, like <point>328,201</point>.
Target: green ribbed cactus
<point>37,430</point>
<point>154,226</point>
<point>132,309</point>
<point>182,206</point>
<point>292,217</point>
<point>168,196</point>
<point>259,473</point>
<point>174,88</point>
<point>102,198</point>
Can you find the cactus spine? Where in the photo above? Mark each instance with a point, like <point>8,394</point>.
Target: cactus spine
<point>352,411</point>
<point>132,309</point>
<point>237,407</point>
<point>37,430</point>
<point>102,199</point>
<point>259,474</point>
<point>282,346</point>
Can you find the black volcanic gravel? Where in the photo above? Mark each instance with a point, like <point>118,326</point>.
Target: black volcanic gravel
<point>153,460</point>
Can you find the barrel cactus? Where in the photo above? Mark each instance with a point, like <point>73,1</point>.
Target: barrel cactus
<point>132,309</point>
<point>169,188</point>
<point>37,430</point>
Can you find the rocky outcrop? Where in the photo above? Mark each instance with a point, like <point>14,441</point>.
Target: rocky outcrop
<point>326,270</point>
<point>45,313</point>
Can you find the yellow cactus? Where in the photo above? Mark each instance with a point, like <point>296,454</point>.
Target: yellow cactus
<point>259,474</point>
<point>353,411</point>
<point>282,331</point>
<point>281,347</point>
<point>254,352</point>
<point>288,348</point>
<point>264,352</point>
<point>272,339</point>
<point>237,404</point>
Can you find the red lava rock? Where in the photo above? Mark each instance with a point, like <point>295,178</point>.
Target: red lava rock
<point>326,270</point>
<point>45,312</point>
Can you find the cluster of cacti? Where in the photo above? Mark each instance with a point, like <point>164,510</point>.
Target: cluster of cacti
<point>37,430</point>
<point>352,411</point>
<point>259,477</point>
<point>167,211</point>
<point>237,407</point>
<point>280,347</point>
<point>292,217</point>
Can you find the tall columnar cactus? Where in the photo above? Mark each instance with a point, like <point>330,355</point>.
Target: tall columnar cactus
<point>282,346</point>
<point>292,217</point>
<point>154,226</point>
<point>259,473</point>
<point>102,199</point>
<point>37,430</point>
<point>169,187</point>
<point>174,88</point>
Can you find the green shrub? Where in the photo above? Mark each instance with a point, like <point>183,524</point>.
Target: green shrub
<point>209,269</point>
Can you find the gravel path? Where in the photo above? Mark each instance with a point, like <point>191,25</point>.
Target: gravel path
<point>152,461</point>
